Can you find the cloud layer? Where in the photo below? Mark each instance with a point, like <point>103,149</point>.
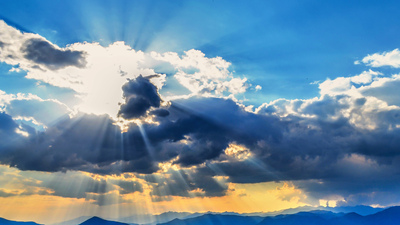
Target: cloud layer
<point>342,145</point>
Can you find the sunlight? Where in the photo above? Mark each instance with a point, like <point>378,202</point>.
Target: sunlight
<point>145,139</point>
<point>166,112</point>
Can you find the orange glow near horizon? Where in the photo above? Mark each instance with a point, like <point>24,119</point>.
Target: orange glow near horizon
<point>240,198</point>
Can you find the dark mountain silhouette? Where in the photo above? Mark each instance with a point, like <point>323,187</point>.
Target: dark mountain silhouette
<point>349,218</point>
<point>99,221</point>
<point>302,218</point>
<point>390,216</point>
<point>324,214</point>
<point>10,222</point>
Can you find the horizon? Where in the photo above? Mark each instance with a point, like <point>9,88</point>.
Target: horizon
<point>169,217</point>
<point>109,108</point>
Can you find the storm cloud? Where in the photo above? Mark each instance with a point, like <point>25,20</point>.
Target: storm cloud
<point>197,131</point>
<point>139,94</point>
<point>43,53</point>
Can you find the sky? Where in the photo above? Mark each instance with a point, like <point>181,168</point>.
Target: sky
<point>121,108</point>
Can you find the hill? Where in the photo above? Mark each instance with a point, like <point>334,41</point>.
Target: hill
<point>10,222</point>
<point>99,221</point>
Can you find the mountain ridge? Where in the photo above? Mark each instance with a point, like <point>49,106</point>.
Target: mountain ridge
<point>325,216</point>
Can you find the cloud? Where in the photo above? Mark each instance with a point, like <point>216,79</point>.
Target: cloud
<point>199,74</point>
<point>71,184</point>
<point>383,89</point>
<point>94,144</point>
<point>160,112</point>
<point>391,59</point>
<point>127,186</point>
<point>33,52</point>
<point>345,85</point>
<point>313,141</point>
<point>41,112</point>
<point>139,94</point>
<point>342,142</point>
<point>89,69</point>
<point>188,184</point>
<point>44,53</point>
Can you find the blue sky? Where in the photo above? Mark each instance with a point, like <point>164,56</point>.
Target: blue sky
<point>280,45</point>
<point>151,106</point>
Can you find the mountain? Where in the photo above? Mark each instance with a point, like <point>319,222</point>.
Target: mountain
<point>389,216</point>
<point>359,209</point>
<point>362,210</point>
<point>213,219</point>
<point>321,213</point>
<point>302,218</point>
<point>99,221</point>
<point>10,222</point>
<point>73,221</point>
<point>350,219</point>
<point>160,218</point>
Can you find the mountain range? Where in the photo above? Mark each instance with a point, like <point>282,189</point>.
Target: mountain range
<point>10,222</point>
<point>360,215</point>
<point>390,216</point>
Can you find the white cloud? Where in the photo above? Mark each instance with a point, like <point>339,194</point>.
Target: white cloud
<point>202,75</point>
<point>33,109</point>
<point>383,59</point>
<point>99,79</point>
<point>347,84</point>
<point>366,100</point>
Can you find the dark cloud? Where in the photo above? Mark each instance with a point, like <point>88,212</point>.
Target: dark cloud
<point>359,182</point>
<point>128,186</point>
<point>42,52</point>
<point>327,107</point>
<point>325,147</point>
<point>4,194</point>
<point>160,112</point>
<point>187,184</point>
<point>139,94</point>
<point>6,123</point>
<point>10,140</point>
<point>75,185</point>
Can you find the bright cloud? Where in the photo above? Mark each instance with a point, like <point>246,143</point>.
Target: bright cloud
<point>383,59</point>
<point>97,73</point>
<point>202,75</point>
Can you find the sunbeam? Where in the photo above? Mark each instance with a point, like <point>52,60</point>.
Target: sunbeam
<point>199,112</point>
